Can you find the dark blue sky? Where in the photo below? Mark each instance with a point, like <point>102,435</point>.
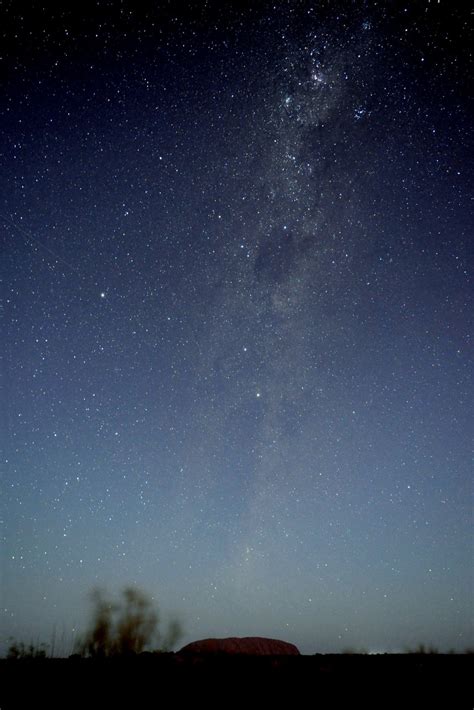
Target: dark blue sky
<point>237,365</point>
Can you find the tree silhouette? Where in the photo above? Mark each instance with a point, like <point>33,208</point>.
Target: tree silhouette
<point>99,639</point>
<point>127,627</point>
<point>136,624</point>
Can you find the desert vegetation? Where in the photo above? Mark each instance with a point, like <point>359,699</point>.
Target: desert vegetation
<point>130,624</point>
<point>126,626</point>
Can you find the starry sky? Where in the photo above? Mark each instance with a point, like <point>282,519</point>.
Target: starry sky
<point>237,366</point>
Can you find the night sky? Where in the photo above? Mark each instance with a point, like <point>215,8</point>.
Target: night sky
<point>237,367</point>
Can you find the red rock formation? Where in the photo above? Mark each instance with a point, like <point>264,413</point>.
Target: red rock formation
<point>252,646</point>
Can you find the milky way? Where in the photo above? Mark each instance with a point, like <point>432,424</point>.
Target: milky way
<point>237,319</point>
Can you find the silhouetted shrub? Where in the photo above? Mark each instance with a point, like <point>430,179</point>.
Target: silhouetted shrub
<point>19,650</point>
<point>173,634</point>
<point>127,627</point>
<point>422,649</point>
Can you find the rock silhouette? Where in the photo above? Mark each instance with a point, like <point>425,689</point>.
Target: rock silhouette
<point>251,645</point>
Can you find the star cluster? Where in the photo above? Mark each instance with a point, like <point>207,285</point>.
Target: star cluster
<point>237,315</point>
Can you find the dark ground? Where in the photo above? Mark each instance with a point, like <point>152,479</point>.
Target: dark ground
<point>324,681</point>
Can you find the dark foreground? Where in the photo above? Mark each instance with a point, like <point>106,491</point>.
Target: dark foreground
<point>321,681</point>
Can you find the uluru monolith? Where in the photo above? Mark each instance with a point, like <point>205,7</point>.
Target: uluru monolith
<point>250,645</point>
